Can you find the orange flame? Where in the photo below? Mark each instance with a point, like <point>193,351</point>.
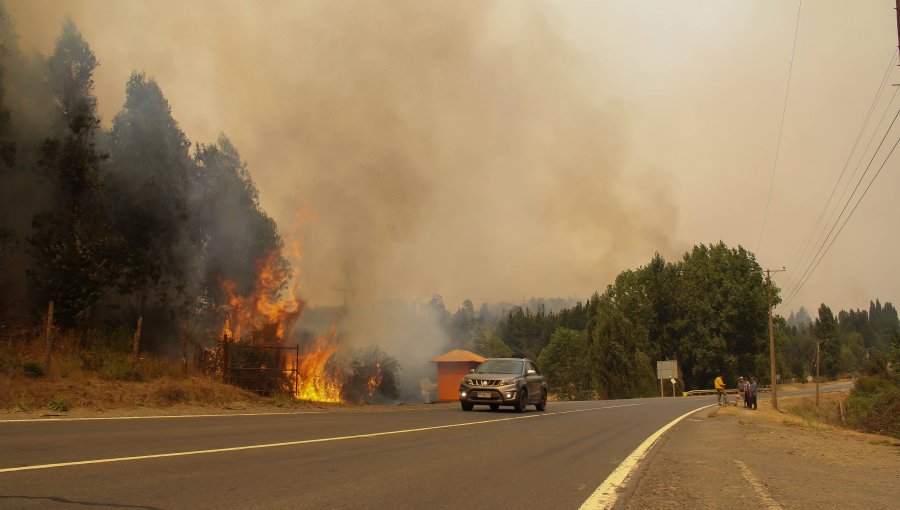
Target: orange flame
<point>265,316</point>
<point>316,383</point>
<point>264,308</point>
<point>374,382</point>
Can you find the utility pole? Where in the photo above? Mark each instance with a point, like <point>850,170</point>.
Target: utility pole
<point>817,363</point>
<point>898,24</point>
<point>772,335</point>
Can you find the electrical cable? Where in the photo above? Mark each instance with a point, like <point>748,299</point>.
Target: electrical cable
<point>781,128</point>
<point>818,258</point>
<point>800,253</point>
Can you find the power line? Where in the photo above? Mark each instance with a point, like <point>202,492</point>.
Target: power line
<point>781,128</point>
<point>800,253</point>
<point>818,258</point>
<point>820,241</point>
<point>807,261</point>
<point>865,191</point>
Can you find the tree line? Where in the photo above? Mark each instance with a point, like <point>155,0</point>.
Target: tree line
<point>119,223</point>
<point>708,310</point>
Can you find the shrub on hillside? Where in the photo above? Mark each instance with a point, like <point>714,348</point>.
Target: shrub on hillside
<point>874,405</point>
<point>33,369</point>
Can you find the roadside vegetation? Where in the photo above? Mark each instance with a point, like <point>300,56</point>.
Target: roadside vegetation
<point>94,372</point>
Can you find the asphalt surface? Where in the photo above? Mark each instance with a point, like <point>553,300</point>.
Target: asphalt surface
<point>433,457</point>
<point>380,459</point>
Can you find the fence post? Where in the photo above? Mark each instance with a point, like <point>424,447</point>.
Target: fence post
<point>49,336</point>
<point>135,347</point>
<point>225,358</point>
<point>184,349</point>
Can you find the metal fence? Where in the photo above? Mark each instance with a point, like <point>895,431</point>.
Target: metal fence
<point>264,369</point>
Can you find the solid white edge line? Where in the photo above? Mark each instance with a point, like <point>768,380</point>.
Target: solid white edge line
<point>294,443</point>
<point>155,417</point>
<point>606,494</point>
<point>758,487</point>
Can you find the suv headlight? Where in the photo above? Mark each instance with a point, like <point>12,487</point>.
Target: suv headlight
<point>507,382</point>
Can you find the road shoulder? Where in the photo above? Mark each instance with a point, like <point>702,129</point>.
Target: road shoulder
<point>737,458</point>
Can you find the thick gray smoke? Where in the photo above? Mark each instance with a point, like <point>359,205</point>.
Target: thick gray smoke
<point>442,148</point>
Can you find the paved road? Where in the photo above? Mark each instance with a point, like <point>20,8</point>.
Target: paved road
<point>438,457</point>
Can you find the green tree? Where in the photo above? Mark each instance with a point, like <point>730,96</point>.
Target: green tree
<point>566,364</point>
<point>825,328</point>
<point>72,244</point>
<point>146,189</point>
<point>495,347</point>
<point>723,314</point>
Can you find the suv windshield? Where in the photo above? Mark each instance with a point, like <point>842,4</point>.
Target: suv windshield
<point>500,366</point>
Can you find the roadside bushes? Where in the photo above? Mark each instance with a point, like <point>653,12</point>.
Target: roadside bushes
<point>874,405</point>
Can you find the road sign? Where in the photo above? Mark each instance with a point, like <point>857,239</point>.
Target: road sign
<point>667,370</point>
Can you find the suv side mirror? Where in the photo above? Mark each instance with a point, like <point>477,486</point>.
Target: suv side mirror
<point>531,372</point>
<point>471,370</point>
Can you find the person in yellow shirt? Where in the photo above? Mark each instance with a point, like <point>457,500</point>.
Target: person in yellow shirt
<point>720,390</point>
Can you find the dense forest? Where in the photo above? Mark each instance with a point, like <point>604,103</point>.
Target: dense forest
<point>708,311</point>
<point>138,221</point>
<point>113,225</point>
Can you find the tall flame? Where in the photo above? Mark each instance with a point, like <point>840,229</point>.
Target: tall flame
<point>264,317</point>
<point>264,308</point>
<point>316,383</point>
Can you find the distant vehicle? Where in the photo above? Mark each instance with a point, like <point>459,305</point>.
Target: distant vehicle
<point>499,382</point>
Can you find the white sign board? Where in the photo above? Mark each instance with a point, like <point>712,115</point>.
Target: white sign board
<point>668,369</point>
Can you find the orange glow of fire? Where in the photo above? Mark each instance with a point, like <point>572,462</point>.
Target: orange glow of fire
<point>316,383</point>
<point>264,307</point>
<point>374,381</point>
<point>265,316</point>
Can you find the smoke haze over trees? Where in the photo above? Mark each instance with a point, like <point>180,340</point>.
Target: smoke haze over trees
<point>412,155</point>
<point>119,224</point>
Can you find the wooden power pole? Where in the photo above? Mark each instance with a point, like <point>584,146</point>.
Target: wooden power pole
<point>772,336</point>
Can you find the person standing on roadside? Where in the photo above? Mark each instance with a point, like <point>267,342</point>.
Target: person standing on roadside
<point>740,394</point>
<point>753,392</point>
<point>720,390</point>
<point>747,392</point>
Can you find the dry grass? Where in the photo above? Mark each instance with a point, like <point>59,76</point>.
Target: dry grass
<point>801,412</point>
<point>95,375</point>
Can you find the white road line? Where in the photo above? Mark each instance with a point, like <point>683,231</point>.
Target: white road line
<point>157,417</point>
<point>606,494</point>
<point>758,487</point>
<point>295,443</point>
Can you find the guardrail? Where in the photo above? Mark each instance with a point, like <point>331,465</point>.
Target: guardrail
<point>695,393</point>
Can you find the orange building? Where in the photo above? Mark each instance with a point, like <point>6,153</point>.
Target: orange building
<point>451,368</point>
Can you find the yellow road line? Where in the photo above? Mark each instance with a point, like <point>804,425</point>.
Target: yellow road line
<point>295,443</point>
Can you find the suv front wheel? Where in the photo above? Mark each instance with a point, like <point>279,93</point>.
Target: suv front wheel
<point>540,406</point>
<point>522,401</point>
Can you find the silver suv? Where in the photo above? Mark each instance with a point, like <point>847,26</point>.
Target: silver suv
<point>499,382</point>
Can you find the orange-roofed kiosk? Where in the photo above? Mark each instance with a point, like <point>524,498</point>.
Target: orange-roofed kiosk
<point>451,368</point>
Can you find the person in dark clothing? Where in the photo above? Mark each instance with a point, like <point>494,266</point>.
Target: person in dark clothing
<point>747,393</point>
<point>753,393</point>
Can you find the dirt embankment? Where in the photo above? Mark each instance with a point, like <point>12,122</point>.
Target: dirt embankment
<point>732,457</point>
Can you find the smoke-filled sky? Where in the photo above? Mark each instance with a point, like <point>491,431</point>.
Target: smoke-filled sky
<point>503,150</point>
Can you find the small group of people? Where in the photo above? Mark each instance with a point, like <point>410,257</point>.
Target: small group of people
<point>747,390</point>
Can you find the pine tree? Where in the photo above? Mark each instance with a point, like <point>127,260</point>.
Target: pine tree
<point>72,244</point>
